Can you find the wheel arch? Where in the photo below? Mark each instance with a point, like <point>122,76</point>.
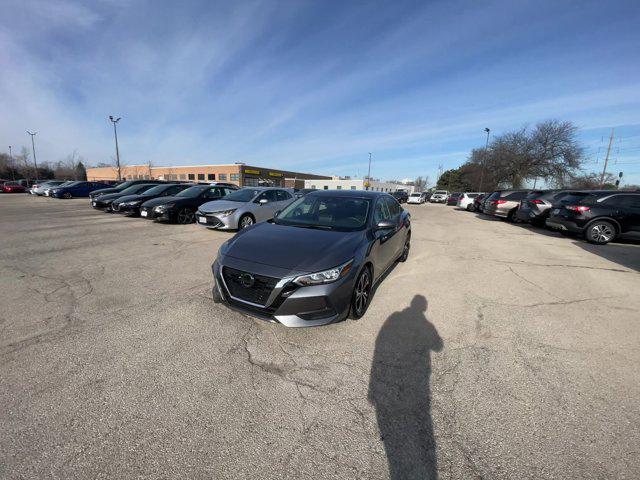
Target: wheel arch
<point>612,221</point>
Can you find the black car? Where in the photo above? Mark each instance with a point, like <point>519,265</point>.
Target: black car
<point>301,192</point>
<point>121,186</point>
<point>104,202</point>
<point>317,261</point>
<point>599,215</point>
<point>130,204</point>
<point>401,196</point>
<point>182,207</point>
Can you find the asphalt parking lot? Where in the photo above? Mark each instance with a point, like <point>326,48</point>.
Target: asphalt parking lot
<point>509,351</point>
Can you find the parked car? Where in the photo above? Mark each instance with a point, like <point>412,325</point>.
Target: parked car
<point>466,199</point>
<point>130,204</point>
<point>122,186</point>
<point>401,196</point>
<point>47,189</point>
<point>12,187</point>
<point>453,198</point>
<point>244,207</point>
<point>39,188</point>
<point>182,207</point>
<point>105,202</point>
<point>416,197</point>
<point>477,202</point>
<point>536,206</point>
<point>318,261</point>
<point>504,203</point>
<point>439,196</point>
<point>598,215</point>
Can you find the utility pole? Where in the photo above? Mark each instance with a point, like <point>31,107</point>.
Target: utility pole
<point>484,159</point>
<point>13,170</point>
<point>115,134</point>
<point>369,172</point>
<point>606,160</point>
<point>33,147</point>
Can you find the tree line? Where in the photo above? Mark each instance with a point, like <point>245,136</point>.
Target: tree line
<point>548,154</point>
<point>21,166</point>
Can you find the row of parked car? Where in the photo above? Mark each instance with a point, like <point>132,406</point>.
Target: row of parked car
<point>598,215</point>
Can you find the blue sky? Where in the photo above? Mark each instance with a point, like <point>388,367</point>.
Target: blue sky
<point>316,85</point>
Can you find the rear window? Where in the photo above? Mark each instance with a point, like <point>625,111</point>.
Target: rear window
<point>472,195</point>
<point>493,195</point>
<point>573,198</point>
<point>440,192</point>
<point>516,196</point>
<point>534,195</point>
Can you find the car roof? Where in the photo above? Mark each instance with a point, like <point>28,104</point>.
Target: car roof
<point>350,193</point>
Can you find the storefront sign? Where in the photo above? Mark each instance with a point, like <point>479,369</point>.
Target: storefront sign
<point>252,172</point>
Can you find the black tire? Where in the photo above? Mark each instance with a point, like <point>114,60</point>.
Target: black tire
<point>67,195</point>
<point>405,250</point>
<point>600,232</point>
<point>185,216</point>
<point>245,221</point>
<point>512,216</point>
<point>470,207</point>
<point>361,296</point>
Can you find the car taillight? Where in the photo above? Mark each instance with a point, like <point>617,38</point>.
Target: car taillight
<point>537,202</point>
<point>577,208</point>
<point>498,202</point>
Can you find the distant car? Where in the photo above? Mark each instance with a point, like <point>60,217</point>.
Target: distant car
<point>401,196</point>
<point>130,204</point>
<point>75,189</point>
<point>12,187</point>
<point>477,202</point>
<point>416,197</point>
<point>453,198</point>
<point>439,196</point>
<point>39,188</point>
<point>599,215</point>
<point>181,208</point>
<point>302,192</point>
<point>46,191</point>
<point>466,199</point>
<point>536,206</point>
<point>505,204</point>
<point>121,186</point>
<point>104,202</point>
<point>244,207</point>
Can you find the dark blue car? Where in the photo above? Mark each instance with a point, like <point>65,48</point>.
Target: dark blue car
<point>77,189</point>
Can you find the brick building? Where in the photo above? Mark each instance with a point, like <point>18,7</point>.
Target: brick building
<point>238,173</point>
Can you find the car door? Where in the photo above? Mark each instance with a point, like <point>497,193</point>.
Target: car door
<point>383,249</point>
<point>283,199</point>
<point>396,239</point>
<point>265,211</point>
<point>630,210</point>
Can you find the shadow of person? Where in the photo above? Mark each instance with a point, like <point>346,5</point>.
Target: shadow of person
<point>399,390</point>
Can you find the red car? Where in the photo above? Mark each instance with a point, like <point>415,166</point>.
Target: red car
<point>12,187</point>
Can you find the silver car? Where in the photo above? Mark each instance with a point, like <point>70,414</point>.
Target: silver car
<point>244,207</point>
<point>39,188</point>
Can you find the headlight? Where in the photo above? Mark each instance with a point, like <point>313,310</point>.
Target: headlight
<point>163,208</point>
<point>224,213</point>
<point>133,203</point>
<point>326,276</point>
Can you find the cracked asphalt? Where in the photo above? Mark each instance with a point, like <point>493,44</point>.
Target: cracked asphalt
<point>497,351</point>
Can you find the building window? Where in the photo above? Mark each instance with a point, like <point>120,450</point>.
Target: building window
<point>313,186</point>
<point>235,177</point>
<point>326,187</point>
<point>353,187</point>
<point>183,176</point>
<point>222,176</point>
<point>192,176</point>
<point>339,187</point>
<point>201,176</point>
<point>211,176</point>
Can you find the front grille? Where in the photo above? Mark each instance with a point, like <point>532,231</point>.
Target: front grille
<point>257,293</point>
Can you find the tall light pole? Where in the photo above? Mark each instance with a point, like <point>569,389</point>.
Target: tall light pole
<point>369,172</point>
<point>115,134</point>
<point>33,147</point>
<point>484,159</point>
<point>13,169</point>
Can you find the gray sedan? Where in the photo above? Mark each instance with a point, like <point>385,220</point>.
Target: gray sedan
<point>244,207</point>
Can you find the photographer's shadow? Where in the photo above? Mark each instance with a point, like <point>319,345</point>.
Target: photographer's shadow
<point>399,390</point>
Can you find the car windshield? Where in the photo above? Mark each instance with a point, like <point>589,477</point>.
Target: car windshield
<point>124,185</point>
<point>472,195</point>
<point>157,190</point>
<point>416,195</point>
<point>440,192</point>
<point>133,189</point>
<point>194,191</point>
<point>326,213</point>
<point>243,195</point>
<point>71,184</point>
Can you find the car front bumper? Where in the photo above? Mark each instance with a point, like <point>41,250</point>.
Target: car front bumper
<point>287,303</point>
<point>210,220</point>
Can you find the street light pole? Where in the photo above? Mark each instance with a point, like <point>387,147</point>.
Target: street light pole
<point>13,170</point>
<point>369,172</point>
<point>115,134</point>
<point>33,147</point>
<point>486,147</point>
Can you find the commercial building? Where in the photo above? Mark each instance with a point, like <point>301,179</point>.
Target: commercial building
<point>237,173</point>
<point>356,184</point>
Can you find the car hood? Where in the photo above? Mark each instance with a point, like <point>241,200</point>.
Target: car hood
<point>109,196</point>
<point>102,191</point>
<point>219,205</point>
<point>154,202</point>
<point>293,248</point>
<point>130,198</point>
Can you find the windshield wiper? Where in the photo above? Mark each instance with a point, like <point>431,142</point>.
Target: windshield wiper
<point>317,227</point>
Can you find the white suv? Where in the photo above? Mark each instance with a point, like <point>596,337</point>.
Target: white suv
<point>465,201</point>
<point>439,196</point>
<point>416,197</point>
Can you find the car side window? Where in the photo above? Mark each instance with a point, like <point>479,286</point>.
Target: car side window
<point>227,191</point>
<point>172,190</point>
<point>516,196</point>
<point>269,195</point>
<point>630,201</point>
<point>282,195</point>
<point>381,211</point>
<point>212,193</point>
<point>393,206</point>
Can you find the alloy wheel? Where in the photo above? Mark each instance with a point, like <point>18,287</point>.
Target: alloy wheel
<point>361,293</point>
<point>186,216</point>
<point>67,195</point>
<point>602,233</point>
<point>246,221</point>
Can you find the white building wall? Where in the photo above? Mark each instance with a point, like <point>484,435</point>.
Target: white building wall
<point>356,184</point>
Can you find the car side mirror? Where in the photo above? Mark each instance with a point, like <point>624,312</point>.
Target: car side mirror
<point>385,225</point>
<point>276,214</point>
<point>262,201</point>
